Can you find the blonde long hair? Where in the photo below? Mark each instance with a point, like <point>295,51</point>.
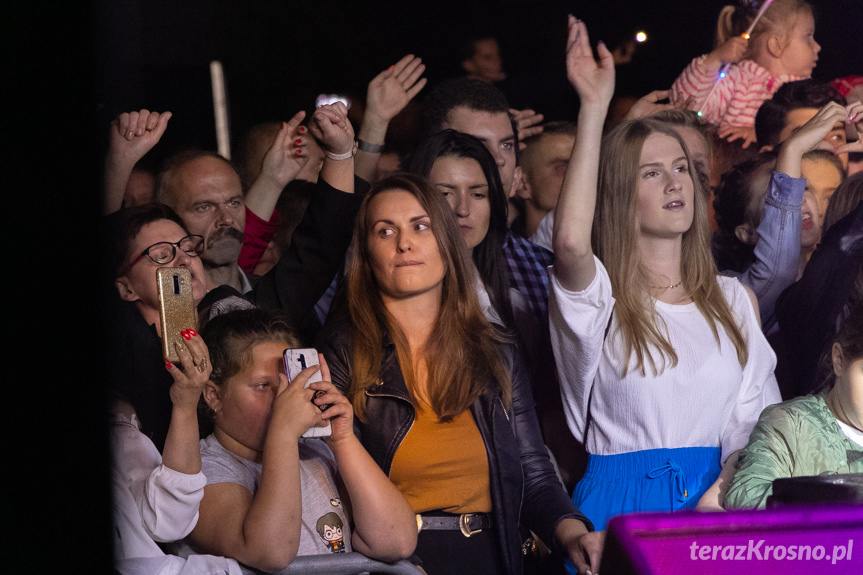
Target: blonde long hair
<point>615,241</point>
<point>461,353</point>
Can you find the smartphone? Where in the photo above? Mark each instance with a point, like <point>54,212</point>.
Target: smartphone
<point>176,308</point>
<point>296,360</point>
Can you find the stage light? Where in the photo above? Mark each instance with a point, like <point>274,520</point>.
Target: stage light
<point>641,37</point>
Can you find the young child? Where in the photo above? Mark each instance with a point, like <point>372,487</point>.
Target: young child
<point>267,487</point>
<point>809,435</point>
<point>780,48</point>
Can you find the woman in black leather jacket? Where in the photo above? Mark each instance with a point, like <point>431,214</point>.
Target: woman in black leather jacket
<point>435,387</point>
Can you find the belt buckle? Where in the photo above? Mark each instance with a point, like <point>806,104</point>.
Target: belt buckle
<point>464,524</point>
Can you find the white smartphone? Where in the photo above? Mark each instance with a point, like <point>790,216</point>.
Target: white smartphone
<point>296,360</point>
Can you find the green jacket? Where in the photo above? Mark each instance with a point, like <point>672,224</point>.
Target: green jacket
<point>798,437</point>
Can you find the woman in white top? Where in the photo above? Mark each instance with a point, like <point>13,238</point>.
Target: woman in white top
<point>663,366</point>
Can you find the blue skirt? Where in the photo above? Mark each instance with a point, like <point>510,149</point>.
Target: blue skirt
<point>654,480</point>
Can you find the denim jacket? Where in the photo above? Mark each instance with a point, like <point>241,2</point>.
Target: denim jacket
<point>525,489</point>
<point>777,252</point>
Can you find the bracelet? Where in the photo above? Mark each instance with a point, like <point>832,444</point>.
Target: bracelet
<point>370,148</point>
<point>344,156</point>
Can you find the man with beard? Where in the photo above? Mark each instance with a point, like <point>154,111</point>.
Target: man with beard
<point>205,191</point>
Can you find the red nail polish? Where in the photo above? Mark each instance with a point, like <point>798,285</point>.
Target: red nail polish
<point>298,152</point>
<point>186,335</point>
<point>298,141</point>
<point>168,365</point>
<point>193,333</point>
<point>301,129</point>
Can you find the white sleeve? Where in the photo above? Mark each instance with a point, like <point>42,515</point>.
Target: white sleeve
<point>169,506</point>
<point>758,388</point>
<point>578,322</point>
<point>544,231</point>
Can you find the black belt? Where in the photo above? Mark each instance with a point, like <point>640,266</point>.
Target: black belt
<point>467,523</point>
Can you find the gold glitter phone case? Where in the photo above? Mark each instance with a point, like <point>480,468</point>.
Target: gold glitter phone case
<point>176,309</point>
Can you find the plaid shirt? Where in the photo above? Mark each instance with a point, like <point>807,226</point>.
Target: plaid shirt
<point>527,264</point>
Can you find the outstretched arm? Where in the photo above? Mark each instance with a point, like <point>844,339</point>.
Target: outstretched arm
<point>281,164</point>
<point>333,131</point>
<point>387,95</point>
<point>594,83</point>
<point>131,136</point>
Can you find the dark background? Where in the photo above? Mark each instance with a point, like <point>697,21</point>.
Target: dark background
<point>69,67</point>
<point>278,55</point>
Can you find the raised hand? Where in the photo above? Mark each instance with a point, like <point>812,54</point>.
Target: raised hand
<point>331,127</point>
<point>593,80</point>
<point>733,133</point>
<point>287,156</point>
<point>854,112</point>
<point>732,50</point>
<point>192,373</point>
<point>391,90</point>
<point>808,137</point>
<point>528,123</point>
<point>133,134</point>
<point>648,105</point>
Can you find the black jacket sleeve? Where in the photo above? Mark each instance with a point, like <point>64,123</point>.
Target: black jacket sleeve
<point>316,255</point>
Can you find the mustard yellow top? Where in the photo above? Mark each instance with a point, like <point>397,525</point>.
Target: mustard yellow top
<point>443,466</point>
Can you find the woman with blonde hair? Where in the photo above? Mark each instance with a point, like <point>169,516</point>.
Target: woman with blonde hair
<point>663,365</point>
<point>442,399</point>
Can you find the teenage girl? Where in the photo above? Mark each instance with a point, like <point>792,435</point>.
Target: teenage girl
<point>781,48</point>
<point>663,367</point>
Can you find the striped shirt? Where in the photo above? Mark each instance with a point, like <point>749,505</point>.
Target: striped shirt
<point>736,99</point>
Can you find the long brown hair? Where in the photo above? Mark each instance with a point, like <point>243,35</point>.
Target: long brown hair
<point>461,352</point>
<point>615,241</point>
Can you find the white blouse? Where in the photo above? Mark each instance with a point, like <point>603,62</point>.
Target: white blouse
<point>706,400</point>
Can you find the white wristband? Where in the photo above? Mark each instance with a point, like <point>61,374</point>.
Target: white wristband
<point>344,156</point>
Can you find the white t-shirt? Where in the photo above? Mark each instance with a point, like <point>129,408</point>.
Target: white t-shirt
<point>706,400</point>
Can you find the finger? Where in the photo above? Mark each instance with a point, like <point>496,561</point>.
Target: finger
<point>606,58</point>
<point>133,125</point>
<point>296,120</point>
<point>415,89</point>
<point>162,125</point>
<point>573,33</point>
<point>123,124</point>
<point>399,66</point>
<point>141,124</point>
<point>658,95</point>
<point>410,70</point>
<point>325,369</point>
<point>152,121</point>
<point>526,133</point>
<point>303,377</point>
<point>186,359</point>
<point>414,76</point>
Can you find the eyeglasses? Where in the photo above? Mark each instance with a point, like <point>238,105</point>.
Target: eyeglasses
<point>164,252</point>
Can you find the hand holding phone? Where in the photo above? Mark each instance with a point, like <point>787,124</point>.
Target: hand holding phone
<point>296,360</point>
